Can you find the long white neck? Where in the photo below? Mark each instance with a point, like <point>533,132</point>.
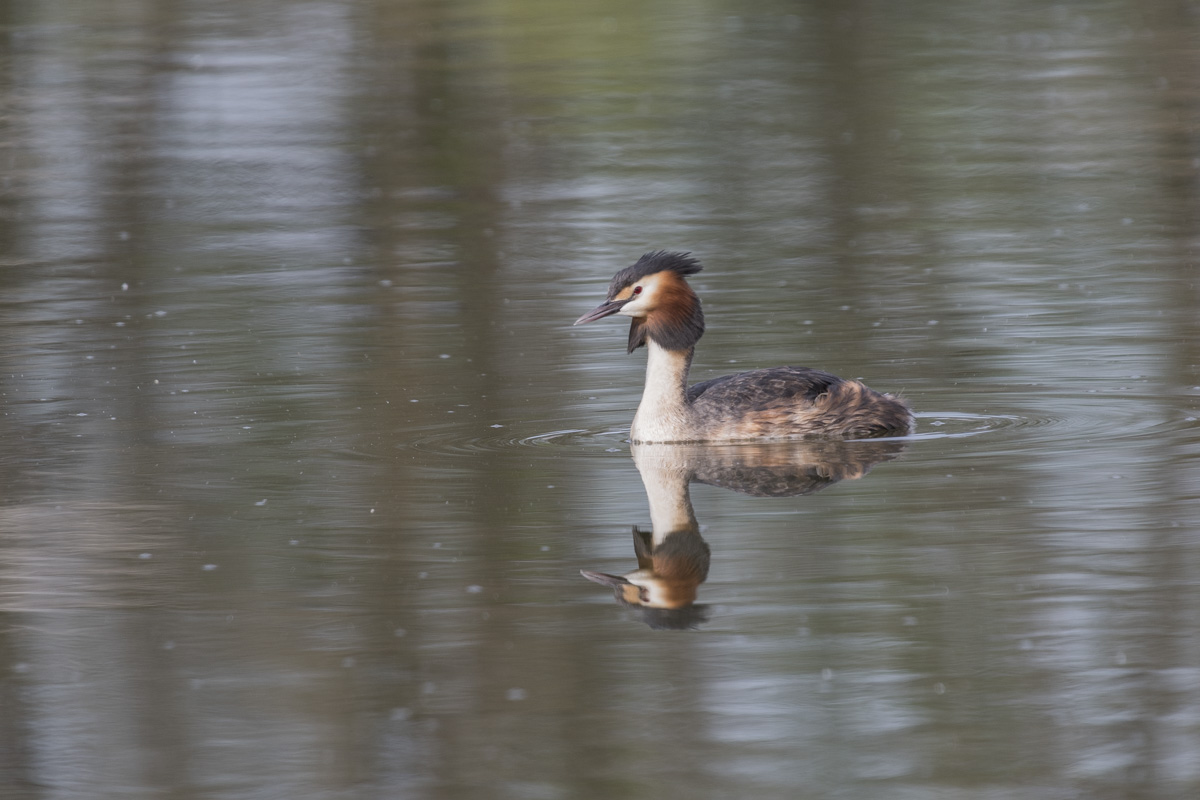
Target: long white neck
<point>664,414</point>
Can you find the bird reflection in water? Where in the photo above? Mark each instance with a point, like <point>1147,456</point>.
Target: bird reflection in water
<point>672,557</point>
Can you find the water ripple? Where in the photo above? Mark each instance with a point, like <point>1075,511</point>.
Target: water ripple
<point>451,441</point>
<point>956,425</point>
<point>1081,421</point>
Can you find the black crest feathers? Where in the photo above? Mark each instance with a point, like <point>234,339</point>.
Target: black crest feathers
<point>681,264</point>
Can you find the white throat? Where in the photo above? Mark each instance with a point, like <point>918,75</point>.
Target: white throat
<point>664,414</point>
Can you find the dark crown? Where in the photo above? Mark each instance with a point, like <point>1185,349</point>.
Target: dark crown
<point>681,264</point>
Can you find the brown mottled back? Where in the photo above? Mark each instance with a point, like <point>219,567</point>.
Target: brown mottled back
<point>778,402</point>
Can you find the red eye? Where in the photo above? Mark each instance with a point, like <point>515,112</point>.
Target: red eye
<point>637,290</point>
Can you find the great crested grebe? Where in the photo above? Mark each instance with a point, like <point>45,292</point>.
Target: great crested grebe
<point>775,403</point>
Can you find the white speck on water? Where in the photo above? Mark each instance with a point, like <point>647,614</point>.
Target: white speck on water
<point>372,511</point>
<point>414,401</point>
<point>932,322</point>
<point>78,322</point>
<point>551,486</point>
<point>160,313</point>
<point>120,324</point>
<point>437,545</point>
<point>81,414</point>
<point>422,575</point>
<point>545,548</point>
<point>474,589</point>
<point>144,556</point>
<point>246,427</point>
<point>124,287</point>
<point>293,542</point>
<point>938,423</point>
<point>20,668</point>
<point>515,694</point>
<point>209,567</point>
<point>497,426</point>
<point>262,502</point>
<point>612,450</point>
<point>444,355</point>
<point>385,283</point>
<point>89,358</point>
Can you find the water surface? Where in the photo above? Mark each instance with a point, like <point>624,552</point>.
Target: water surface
<point>301,458</point>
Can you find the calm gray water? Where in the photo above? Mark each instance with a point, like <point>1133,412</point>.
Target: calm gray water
<point>301,458</point>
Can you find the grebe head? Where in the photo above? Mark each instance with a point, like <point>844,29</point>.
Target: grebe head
<point>644,587</point>
<point>654,293</point>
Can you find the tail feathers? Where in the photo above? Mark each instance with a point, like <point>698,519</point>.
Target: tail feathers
<point>854,409</point>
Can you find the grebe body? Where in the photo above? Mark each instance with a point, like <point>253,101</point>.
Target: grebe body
<point>774,403</point>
